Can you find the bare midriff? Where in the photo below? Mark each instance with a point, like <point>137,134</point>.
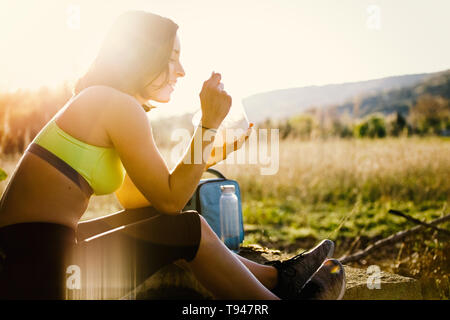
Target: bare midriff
<point>37,191</point>
<point>40,193</point>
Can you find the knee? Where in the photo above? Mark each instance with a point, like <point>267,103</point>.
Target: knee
<point>194,213</point>
<point>205,228</point>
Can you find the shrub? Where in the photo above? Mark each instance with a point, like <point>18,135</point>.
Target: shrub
<point>373,126</point>
<point>430,115</point>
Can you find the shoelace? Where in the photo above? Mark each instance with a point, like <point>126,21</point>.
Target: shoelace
<point>291,272</point>
<point>301,255</point>
<point>286,268</point>
<point>294,260</point>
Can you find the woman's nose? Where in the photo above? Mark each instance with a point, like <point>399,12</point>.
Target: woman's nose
<point>180,71</point>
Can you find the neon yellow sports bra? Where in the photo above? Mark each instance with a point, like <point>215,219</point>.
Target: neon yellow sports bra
<point>99,166</point>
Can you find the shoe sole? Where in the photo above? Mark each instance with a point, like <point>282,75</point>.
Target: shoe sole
<point>331,252</point>
<point>329,255</point>
<point>344,282</point>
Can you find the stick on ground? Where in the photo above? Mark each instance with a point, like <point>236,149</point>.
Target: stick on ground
<point>416,221</point>
<point>389,240</point>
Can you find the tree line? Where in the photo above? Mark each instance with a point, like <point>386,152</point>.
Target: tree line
<point>430,115</point>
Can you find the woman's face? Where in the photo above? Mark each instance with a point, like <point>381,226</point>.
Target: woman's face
<point>154,91</point>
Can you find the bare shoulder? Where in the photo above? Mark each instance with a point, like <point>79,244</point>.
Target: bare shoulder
<point>120,115</point>
<point>113,105</point>
<point>108,97</point>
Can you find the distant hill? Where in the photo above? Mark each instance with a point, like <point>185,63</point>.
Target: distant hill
<point>397,100</point>
<point>281,104</point>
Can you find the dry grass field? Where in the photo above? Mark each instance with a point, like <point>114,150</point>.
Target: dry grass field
<point>342,190</point>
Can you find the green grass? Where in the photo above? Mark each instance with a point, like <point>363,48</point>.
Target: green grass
<point>345,188</point>
<point>285,221</point>
<point>341,190</point>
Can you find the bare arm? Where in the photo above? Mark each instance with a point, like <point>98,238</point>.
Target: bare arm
<point>129,195</point>
<point>130,132</point>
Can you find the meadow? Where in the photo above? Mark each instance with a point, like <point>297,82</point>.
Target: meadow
<point>342,189</point>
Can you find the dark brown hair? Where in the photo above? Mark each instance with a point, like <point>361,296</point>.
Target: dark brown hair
<point>135,51</point>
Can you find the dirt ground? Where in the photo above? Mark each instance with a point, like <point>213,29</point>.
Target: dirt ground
<point>424,257</point>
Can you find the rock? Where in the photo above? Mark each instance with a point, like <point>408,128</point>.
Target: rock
<point>175,282</point>
<point>391,286</point>
<point>171,282</point>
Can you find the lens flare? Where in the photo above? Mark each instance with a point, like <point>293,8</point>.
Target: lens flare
<point>334,268</point>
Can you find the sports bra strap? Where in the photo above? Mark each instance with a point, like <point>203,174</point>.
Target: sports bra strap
<point>62,166</point>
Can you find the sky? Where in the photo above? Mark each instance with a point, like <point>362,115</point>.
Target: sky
<point>257,45</point>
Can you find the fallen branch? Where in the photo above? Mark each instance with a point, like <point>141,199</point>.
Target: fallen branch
<point>416,221</point>
<point>389,240</point>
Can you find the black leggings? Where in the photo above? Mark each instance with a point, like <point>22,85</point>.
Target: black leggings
<point>105,258</point>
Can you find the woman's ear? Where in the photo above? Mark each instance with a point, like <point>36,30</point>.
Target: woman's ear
<point>147,106</point>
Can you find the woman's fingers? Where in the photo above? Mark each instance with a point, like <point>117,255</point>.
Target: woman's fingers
<point>237,144</point>
<point>217,77</point>
<point>213,81</point>
<point>220,153</point>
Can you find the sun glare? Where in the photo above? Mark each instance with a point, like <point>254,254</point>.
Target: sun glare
<point>256,45</point>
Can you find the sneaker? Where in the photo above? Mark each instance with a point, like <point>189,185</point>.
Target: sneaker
<point>328,283</point>
<point>295,272</point>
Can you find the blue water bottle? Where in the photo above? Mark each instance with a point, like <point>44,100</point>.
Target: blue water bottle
<point>229,217</point>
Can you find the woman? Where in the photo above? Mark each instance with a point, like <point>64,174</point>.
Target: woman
<point>101,142</point>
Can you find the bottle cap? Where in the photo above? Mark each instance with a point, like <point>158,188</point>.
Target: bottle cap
<point>227,188</point>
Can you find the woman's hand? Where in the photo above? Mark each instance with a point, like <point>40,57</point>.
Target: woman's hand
<point>221,153</point>
<point>215,102</point>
